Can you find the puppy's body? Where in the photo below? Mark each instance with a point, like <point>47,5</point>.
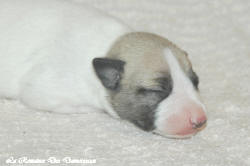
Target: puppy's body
<point>46,51</point>
<point>65,57</point>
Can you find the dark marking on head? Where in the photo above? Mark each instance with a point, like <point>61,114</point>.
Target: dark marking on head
<point>109,71</point>
<point>194,78</point>
<point>144,118</point>
<point>138,105</point>
<point>166,84</point>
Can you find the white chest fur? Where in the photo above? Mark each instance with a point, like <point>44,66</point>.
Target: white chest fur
<point>46,52</point>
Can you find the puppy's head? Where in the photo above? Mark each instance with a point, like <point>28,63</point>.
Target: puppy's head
<point>151,83</point>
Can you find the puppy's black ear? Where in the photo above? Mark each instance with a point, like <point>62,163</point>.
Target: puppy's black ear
<point>109,71</point>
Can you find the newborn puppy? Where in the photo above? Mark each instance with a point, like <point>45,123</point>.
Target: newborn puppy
<point>66,57</point>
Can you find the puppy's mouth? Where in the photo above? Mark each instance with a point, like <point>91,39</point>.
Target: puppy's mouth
<point>178,136</point>
<point>173,136</point>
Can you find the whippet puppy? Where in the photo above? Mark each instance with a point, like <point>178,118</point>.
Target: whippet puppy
<point>66,57</point>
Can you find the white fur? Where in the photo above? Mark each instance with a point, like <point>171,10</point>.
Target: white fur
<point>46,52</point>
<point>183,91</point>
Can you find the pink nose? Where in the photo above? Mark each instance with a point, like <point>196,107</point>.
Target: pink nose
<point>184,123</point>
<point>199,122</point>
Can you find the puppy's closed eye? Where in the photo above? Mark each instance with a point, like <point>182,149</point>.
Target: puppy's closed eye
<point>151,92</point>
